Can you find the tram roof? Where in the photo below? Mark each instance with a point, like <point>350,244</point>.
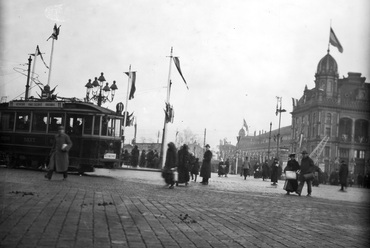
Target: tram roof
<point>73,106</point>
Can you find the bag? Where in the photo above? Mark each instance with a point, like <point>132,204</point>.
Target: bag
<point>309,176</point>
<point>291,175</point>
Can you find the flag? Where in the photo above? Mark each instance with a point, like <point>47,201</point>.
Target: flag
<point>38,52</point>
<point>293,100</point>
<point>277,109</point>
<point>333,40</point>
<point>177,63</point>
<point>245,125</point>
<point>55,33</point>
<point>170,114</point>
<point>133,79</point>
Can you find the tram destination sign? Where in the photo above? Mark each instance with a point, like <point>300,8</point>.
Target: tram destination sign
<point>36,104</point>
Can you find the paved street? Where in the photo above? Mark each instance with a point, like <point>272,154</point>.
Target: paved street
<point>128,208</point>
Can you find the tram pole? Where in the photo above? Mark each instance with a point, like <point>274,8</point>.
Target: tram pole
<point>125,113</point>
<point>28,78</point>
<point>29,93</point>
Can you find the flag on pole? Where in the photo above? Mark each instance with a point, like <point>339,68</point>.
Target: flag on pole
<point>55,33</point>
<point>177,63</point>
<point>245,125</point>
<point>38,52</point>
<point>132,76</point>
<point>333,40</point>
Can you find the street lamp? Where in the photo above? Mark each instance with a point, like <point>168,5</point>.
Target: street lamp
<point>99,92</point>
<point>279,110</point>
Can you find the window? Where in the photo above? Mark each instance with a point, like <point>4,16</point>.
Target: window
<point>360,154</point>
<point>39,121</point>
<point>23,121</point>
<point>87,124</point>
<point>97,125</point>
<point>328,118</point>
<point>55,120</point>
<point>327,151</point>
<point>328,131</point>
<point>343,153</point>
<point>7,121</point>
<point>74,124</point>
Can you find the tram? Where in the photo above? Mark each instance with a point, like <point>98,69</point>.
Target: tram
<point>27,129</point>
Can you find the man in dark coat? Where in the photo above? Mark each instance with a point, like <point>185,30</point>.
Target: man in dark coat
<point>343,175</point>
<point>205,171</point>
<point>59,159</point>
<point>291,185</point>
<point>169,165</point>
<point>307,168</point>
<point>135,156</point>
<point>142,159</point>
<point>265,171</point>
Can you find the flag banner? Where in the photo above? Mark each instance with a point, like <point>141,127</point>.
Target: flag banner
<point>38,52</point>
<point>293,100</point>
<point>55,33</point>
<point>334,41</point>
<point>277,110</point>
<point>170,114</point>
<point>133,87</point>
<point>245,125</point>
<point>177,63</point>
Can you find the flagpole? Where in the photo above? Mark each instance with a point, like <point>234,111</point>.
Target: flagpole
<point>51,60</point>
<point>125,112</point>
<point>163,150</point>
<point>32,73</point>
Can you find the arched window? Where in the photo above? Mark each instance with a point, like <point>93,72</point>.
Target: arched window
<point>328,118</point>
<point>361,131</point>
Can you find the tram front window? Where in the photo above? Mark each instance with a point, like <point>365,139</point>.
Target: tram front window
<point>55,120</point>
<point>97,125</point>
<point>23,121</point>
<point>39,122</point>
<point>7,121</point>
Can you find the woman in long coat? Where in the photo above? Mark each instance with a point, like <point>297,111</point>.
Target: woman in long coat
<point>205,171</point>
<point>274,172</point>
<point>183,168</point>
<point>169,165</point>
<point>343,175</point>
<point>291,185</point>
<point>59,159</point>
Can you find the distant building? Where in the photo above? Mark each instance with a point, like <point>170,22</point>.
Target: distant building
<point>338,108</point>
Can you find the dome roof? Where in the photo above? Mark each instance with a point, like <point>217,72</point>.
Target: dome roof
<point>241,132</point>
<point>327,65</point>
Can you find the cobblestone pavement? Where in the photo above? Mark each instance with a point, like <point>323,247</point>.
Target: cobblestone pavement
<point>126,208</point>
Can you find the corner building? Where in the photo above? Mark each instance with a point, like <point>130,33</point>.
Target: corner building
<point>340,109</point>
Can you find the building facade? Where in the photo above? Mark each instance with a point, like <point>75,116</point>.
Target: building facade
<point>338,108</point>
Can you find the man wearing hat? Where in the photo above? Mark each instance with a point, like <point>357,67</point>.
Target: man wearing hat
<point>306,174</point>
<point>59,159</point>
<point>205,171</point>
<point>343,175</point>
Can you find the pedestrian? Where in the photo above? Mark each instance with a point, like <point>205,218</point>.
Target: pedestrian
<point>306,174</point>
<point>170,165</point>
<point>221,166</point>
<point>205,171</point>
<point>183,167</point>
<point>265,171</point>
<point>246,167</point>
<point>227,167</point>
<point>195,170</point>
<point>59,158</point>
<point>291,185</point>
<point>142,162</point>
<point>274,172</point>
<point>135,153</point>
<point>343,175</point>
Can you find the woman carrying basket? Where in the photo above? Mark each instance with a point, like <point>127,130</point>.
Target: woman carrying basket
<point>291,183</point>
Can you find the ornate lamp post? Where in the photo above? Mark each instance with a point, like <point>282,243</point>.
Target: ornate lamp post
<point>99,92</point>
<point>279,110</point>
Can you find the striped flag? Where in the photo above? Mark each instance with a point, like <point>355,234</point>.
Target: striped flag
<point>333,40</point>
<point>132,76</point>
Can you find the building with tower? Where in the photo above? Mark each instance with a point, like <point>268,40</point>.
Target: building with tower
<point>338,108</point>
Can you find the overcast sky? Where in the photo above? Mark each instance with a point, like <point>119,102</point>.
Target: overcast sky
<point>236,55</point>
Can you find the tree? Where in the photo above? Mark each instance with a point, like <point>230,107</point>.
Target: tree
<point>186,137</point>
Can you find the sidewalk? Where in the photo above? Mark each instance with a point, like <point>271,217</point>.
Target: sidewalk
<point>131,208</point>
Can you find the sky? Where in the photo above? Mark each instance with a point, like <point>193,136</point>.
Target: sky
<point>236,56</point>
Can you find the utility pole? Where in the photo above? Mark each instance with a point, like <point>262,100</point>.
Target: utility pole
<point>268,151</point>
<point>28,78</point>
<point>279,110</point>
